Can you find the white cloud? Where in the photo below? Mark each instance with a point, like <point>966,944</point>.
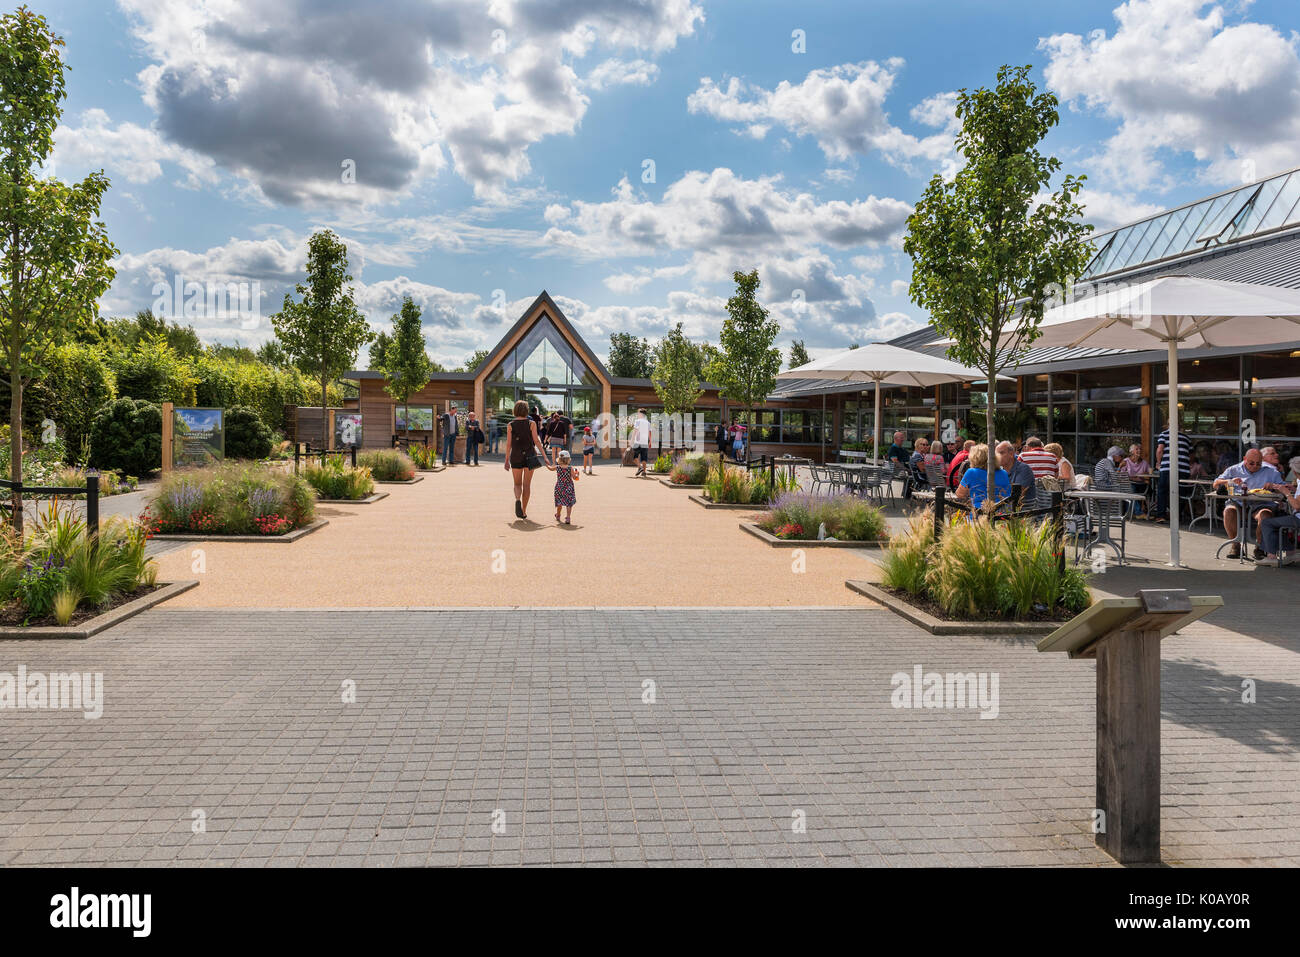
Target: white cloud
<point>1106,210</point>
<point>284,94</point>
<point>1181,80</point>
<point>136,152</point>
<point>899,287</point>
<point>722,217</point>
<point>615,72</point>
<point>841,107</point>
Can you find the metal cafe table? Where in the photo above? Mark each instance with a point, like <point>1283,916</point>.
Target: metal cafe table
<point>1098,515</point>
<point>1247,504</point>
<point>791,462</point>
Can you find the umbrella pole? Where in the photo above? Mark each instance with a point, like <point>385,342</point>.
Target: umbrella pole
<point>875,428</point>
<point>1174,455</point>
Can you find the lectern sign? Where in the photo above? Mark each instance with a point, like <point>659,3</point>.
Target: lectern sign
<point>198,437</point>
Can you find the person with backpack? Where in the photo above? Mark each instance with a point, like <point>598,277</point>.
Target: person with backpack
<point>473,438</point>
<point>449,425</point>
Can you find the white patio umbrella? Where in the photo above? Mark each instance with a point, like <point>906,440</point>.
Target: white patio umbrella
<point>1176,310</point>
<point>882,364</point>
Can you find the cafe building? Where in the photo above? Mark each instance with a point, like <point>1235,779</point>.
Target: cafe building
<point>1087,399</point>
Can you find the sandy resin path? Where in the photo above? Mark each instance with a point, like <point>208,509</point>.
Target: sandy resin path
<point>633,542</point>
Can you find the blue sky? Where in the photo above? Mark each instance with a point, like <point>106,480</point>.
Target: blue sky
<point>501,148</point>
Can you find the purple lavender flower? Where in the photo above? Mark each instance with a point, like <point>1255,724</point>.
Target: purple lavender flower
<point>263,501</point>
<point>184,498</point>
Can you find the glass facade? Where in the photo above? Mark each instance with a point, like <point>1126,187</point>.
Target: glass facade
<point>1242,212</point>
<point>548,373</point>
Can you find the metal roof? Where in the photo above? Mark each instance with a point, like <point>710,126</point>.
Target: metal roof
<point>1272,260</point>
<point>1265,207</point>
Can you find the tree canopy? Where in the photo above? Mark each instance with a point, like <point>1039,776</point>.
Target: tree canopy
<point>324,331</point>
<point>990,246</point>
<point>746,364</point>
<point>629,357</point>
<point>54,251</point>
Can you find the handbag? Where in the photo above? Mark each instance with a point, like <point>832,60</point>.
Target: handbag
<point>532,461</point>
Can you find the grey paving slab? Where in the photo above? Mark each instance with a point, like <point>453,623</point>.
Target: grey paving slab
<point>507,737</point>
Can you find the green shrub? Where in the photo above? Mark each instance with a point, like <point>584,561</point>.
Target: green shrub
<point>387,465</point>
<point>904,562</point>
<point>730,485</point>
<point>126,435</point>
<point>154,372</point>
<point>59,568</point>
<point>76,383</point>
<point>847,518</point>
<point>336,480</point>
<point>247,436</point>
<point>110,482</point>
<point>983,571</point>
<point>693,469</point>
<point>231,499</point>
<point>424,456</point>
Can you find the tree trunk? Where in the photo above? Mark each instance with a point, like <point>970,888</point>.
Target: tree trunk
<point>406,419</point>
<point>991,430</point>
<point>16,443</point>
<point>324,415</point>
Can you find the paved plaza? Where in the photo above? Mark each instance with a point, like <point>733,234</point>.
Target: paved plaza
<point>539,721</point>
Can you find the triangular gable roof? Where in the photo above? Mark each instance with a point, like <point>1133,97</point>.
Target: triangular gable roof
<point>557,315</point>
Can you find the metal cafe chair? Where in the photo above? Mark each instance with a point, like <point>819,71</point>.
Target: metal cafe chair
<point>821,475</point>
<point>934,475</point>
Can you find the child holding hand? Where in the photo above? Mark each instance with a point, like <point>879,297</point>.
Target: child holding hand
<point>565,494</point>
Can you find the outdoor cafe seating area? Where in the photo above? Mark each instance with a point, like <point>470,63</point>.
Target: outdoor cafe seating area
<point>1095,520</point>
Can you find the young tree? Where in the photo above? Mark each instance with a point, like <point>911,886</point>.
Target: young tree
<point>54,251</point>
<point>798,354</point>
<point>676,373</point>
<point>472,362</point>
<point>990,246</point>
<point>629,357</point>
<point>379,350</point>
<point>406,365</point>
<point>745,367</point>
<point>325,330</point>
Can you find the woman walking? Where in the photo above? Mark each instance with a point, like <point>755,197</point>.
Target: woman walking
<point>521,455</point>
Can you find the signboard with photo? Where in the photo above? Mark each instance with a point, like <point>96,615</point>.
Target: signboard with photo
<point>421,418</point>
<point>198,437</point>
<point>347,430</point>
<point>461,410</point>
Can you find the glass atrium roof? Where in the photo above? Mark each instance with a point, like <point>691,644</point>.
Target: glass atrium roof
<point>1204,225</point>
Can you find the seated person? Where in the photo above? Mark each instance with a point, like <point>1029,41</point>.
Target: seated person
<point>1248,474</point>
<point>958,463</point>
<point>1272,529</point>
<point>1105,476</point>
<point>1024,488</point>
<point>974,483</point>
<point>1136,466</point>
<point>1293,475</point>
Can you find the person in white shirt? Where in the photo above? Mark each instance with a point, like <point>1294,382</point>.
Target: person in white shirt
<point>641,441</point>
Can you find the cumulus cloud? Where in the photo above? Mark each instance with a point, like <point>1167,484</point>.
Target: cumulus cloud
<point>298,96</point>
<point>133,151</point>
<point>615,72</point>
<point>1181,79</point>
<point>720,214</point>
<point>841,107</point>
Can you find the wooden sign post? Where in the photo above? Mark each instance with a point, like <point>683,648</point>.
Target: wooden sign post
<point>168,435</point>
<point>1123,635</point>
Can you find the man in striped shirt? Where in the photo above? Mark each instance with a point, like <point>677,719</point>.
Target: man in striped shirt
<point>1161,513</point>
<point>1041,461</point>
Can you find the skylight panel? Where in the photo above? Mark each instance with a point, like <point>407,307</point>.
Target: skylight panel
<point>1280,212</point>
